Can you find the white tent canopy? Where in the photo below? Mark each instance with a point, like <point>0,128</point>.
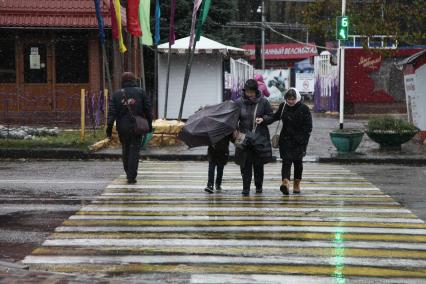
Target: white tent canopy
<point>206,82</point>
<point>204,45</point>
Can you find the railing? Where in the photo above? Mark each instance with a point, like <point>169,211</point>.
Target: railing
<point>241,71</point>
<point>326,94</point>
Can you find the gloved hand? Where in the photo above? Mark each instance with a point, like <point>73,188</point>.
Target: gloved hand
<point>109,131</point>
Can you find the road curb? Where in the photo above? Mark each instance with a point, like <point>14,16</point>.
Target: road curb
<point>374,160</point>
<point>72,154</point>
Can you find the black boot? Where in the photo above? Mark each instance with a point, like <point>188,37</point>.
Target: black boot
<point>285,186</point>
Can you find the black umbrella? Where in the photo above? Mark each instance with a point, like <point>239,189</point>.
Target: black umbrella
<point>210,124</point>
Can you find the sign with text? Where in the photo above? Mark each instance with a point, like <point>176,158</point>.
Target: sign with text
<point>305,82</point>
<point>284,51</point>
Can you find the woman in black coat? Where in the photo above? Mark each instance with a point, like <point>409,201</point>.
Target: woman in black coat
<point>294,137</point>
<point>118,110</point>
<point>252,159</point>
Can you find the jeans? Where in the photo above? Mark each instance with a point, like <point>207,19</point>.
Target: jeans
<point>219,176</point>
<point>286,169</point>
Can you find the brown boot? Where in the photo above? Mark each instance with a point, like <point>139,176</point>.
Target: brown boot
<point>296,186</point>
<point>285,186</point>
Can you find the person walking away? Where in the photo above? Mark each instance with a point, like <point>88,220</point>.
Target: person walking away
<point>133,97</point>
<point>252,104</point>
<point>218,155</point>
<point>294,137</point>
<point>261,85</point>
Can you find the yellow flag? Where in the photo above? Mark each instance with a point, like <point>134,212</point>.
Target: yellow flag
<point>117,9</point>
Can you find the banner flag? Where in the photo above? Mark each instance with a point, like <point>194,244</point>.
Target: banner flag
<point>197,4</point>
<point>157,22</point>
<point>202,18</point>
<point>172,35</point>
<point>144,13</point>
<point>117,10</point>
<point>100,22</point>
<point>133,18</point>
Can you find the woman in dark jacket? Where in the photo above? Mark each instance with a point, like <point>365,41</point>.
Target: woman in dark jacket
<point>118,110</point>
<point>252,158</point>
<point>294,137</point>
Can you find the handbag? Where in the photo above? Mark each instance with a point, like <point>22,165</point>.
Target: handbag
<point>275,141</point>
<point>242,140</point>
<point>141,125</point>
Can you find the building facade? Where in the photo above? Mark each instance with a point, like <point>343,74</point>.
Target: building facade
<point>49,51</point>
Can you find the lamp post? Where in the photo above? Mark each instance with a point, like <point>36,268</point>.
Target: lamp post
<point>262,52</point>
<point>342,73</point>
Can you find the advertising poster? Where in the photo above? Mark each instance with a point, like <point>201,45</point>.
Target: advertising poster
<point>277,82</point>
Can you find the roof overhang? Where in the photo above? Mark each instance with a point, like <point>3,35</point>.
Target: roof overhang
<point>203,46</point>
<point>53,14</point>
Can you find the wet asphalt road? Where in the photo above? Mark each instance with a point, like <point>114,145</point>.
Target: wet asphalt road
<point>37,196</point>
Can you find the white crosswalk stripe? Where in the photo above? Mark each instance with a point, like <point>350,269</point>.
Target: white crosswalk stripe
<point>341,227</point>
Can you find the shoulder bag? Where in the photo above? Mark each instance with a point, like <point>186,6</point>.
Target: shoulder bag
<point>241,140</point>
<point>141,125</point>
<point>275,141</point>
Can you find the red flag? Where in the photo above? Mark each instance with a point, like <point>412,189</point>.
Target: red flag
<point>114,26</point>
<point>133,18</point>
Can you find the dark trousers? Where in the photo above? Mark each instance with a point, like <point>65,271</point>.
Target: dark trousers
<point>286,169</point>
<point>212,167</point>
<point>130,145</point>
<point>251,165</point>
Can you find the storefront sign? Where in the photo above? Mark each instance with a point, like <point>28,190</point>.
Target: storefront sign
<point>285,51</point>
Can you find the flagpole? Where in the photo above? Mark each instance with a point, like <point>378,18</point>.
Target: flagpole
<point>191,52</point>
<point>129,52</point>
<point>142,66</point>
<point>171,42</point>
<point>155,96</point>
<point>195,36</point>
<point>167,81</point>
<point>106,65</point>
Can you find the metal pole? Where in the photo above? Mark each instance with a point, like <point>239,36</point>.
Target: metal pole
<point>307,36</point>
<point>106,65</point>
<point>82,114</point>
<point>155,95</point>
<point>342,73</point>
<point>262,52</point>
<point>191,51</point>
<point>129,52</point>
<point>142,66</point>
<point>167,82</point>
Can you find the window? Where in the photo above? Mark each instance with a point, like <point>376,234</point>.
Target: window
<point>72,61</point>
<point>7,62</point>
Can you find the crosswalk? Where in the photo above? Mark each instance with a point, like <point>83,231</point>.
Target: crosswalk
<point>341,229</point>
